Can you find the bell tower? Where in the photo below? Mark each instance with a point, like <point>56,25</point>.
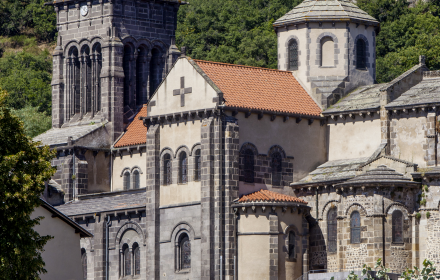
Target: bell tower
<point>330,47</point>
<point>111,55</point>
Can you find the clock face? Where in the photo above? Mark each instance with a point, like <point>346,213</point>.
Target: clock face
<point>84,11</point>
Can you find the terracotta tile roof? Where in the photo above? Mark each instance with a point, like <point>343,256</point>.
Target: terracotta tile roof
<point>260,88</point>
<point>269,196</point>
<point>136,132</point>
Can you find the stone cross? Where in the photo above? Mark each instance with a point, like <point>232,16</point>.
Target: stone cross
<point>182,91</point>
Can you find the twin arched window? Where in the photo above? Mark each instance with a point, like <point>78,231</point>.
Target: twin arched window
<point>361,54</point>
<point>332,230</point>
<point>397,226</point>
<point>293,55</point>
<point>355,227</point>
<point>184,252</point>
<point>130,260</point>
<point>131,180</point>
<point>277,168</point>
<point>84,263</point>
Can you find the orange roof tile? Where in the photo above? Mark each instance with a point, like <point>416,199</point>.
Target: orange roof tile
<point>260,88</point>
<point>269,196</point>
<point>136,132</point>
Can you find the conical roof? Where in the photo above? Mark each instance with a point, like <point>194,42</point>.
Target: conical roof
<point>382,175</point>
<point>326,10</point>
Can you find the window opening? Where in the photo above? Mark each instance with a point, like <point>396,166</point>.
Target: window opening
<point>126,180</point>
<point>84,262</point>
<point>198,166</point>
<point>332,230</point>
<point>183,172</point>
<point>355,225</point>
<point>293,55</point>
<point>136,179</point>
<point>185,252</point>
<point>248,166</point>
<point>397,227</point>
<point>167,164</point>
<point>277,169</point>
<point>137,259</point>
<point>361,54</point>
<point>291,244</point>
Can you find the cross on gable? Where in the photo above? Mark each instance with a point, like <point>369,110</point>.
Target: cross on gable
<point>182,91</point>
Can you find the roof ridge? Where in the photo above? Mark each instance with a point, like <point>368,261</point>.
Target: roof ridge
<point>238,65</point>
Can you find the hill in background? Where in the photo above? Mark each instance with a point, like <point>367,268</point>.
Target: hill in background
<point>231,31</point>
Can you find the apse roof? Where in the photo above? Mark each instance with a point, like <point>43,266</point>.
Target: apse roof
<point>326,10</point>
<point>380,175</point>
<point>269,196</point>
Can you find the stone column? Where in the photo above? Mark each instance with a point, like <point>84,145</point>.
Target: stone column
<point>385,98</point>
<point>431,137</point>
<point>207,204</point>
<point>57,83</point>
<point>153,200</point>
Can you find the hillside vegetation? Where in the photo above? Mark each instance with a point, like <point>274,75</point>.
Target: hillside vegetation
<point>231,31</point>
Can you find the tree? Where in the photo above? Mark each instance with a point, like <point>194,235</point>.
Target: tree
<point>428,272</point>
<point>24,167</point>
<point>34,122</point>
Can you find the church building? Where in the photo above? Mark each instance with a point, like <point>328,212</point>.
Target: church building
<point>192,169</point>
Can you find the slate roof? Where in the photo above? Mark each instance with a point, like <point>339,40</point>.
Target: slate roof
<point>105,202</point>
<point>366,98</point>
<point>383,175</point>
<point>259,88</point>
<point>333,171</point>
<point>326,10</point>
<point>58,136</point>
<point>136,133</point>
<point>425,92</point>
<point>269,196</point>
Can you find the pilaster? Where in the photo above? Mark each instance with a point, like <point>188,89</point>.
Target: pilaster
<point>153,200</point>
<point>273,246</point>
<point>207,203</point>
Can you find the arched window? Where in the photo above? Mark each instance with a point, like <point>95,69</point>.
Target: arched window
<point>277,168</point>
<point>291,244</point>
<point>73,84</point>
<point>141,74</point>
<point>156,68</point>
<point>361,55</point>
<point>136,259</point>
<point>197,166</point>
<point>248,158</point>
<point>84,263</point>
<point>183,168</point>
<point>167,170</point>
<point>397,227</point>
<point>126,180</point>
<point>86,79</point>
<point>184,252</point>
<point>327,52</point>
<point>293,55</point>
<point>332,229</point>
<point>126,260</point>
<point>96,77</point>
<point>128,82</point>
<point>355,227</point>
<point>136,179</point>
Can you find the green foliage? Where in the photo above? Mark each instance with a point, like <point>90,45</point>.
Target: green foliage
<point>418,216</point>
<point>24,167</point>
<point>428,272</point>
<point>34,122</point>
<point>30,17</point>
<point>381,271</point>
<point>426,188</point>
<point>423,202</point>
<point>428,214</point>
<point>26,75</point>
<point>384,10</point>
<point>232,31</point>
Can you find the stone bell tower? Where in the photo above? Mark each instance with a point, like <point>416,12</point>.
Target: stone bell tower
<point>329,46</point>
<point>110,57</point>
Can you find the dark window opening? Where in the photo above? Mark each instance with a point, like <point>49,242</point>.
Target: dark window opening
<point>332,230</point>
<point>126,180</point>
<point>126,260</point>
<point>291,244</point>
<point>184,252</point>
<point>361,56</point>
<point>183,168</point>
<point>198,166</point>
<point>277,169</point>
<point>137,259</point>
<point>84,263</point>
<point>355,227</point>
<point>136,179</point>
<point>167,170</point>
<point>293,55</point>
<point>397,227</point>
<point>248,157</point>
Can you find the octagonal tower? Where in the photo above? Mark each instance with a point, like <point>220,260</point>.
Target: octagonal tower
<point>330,47</point>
